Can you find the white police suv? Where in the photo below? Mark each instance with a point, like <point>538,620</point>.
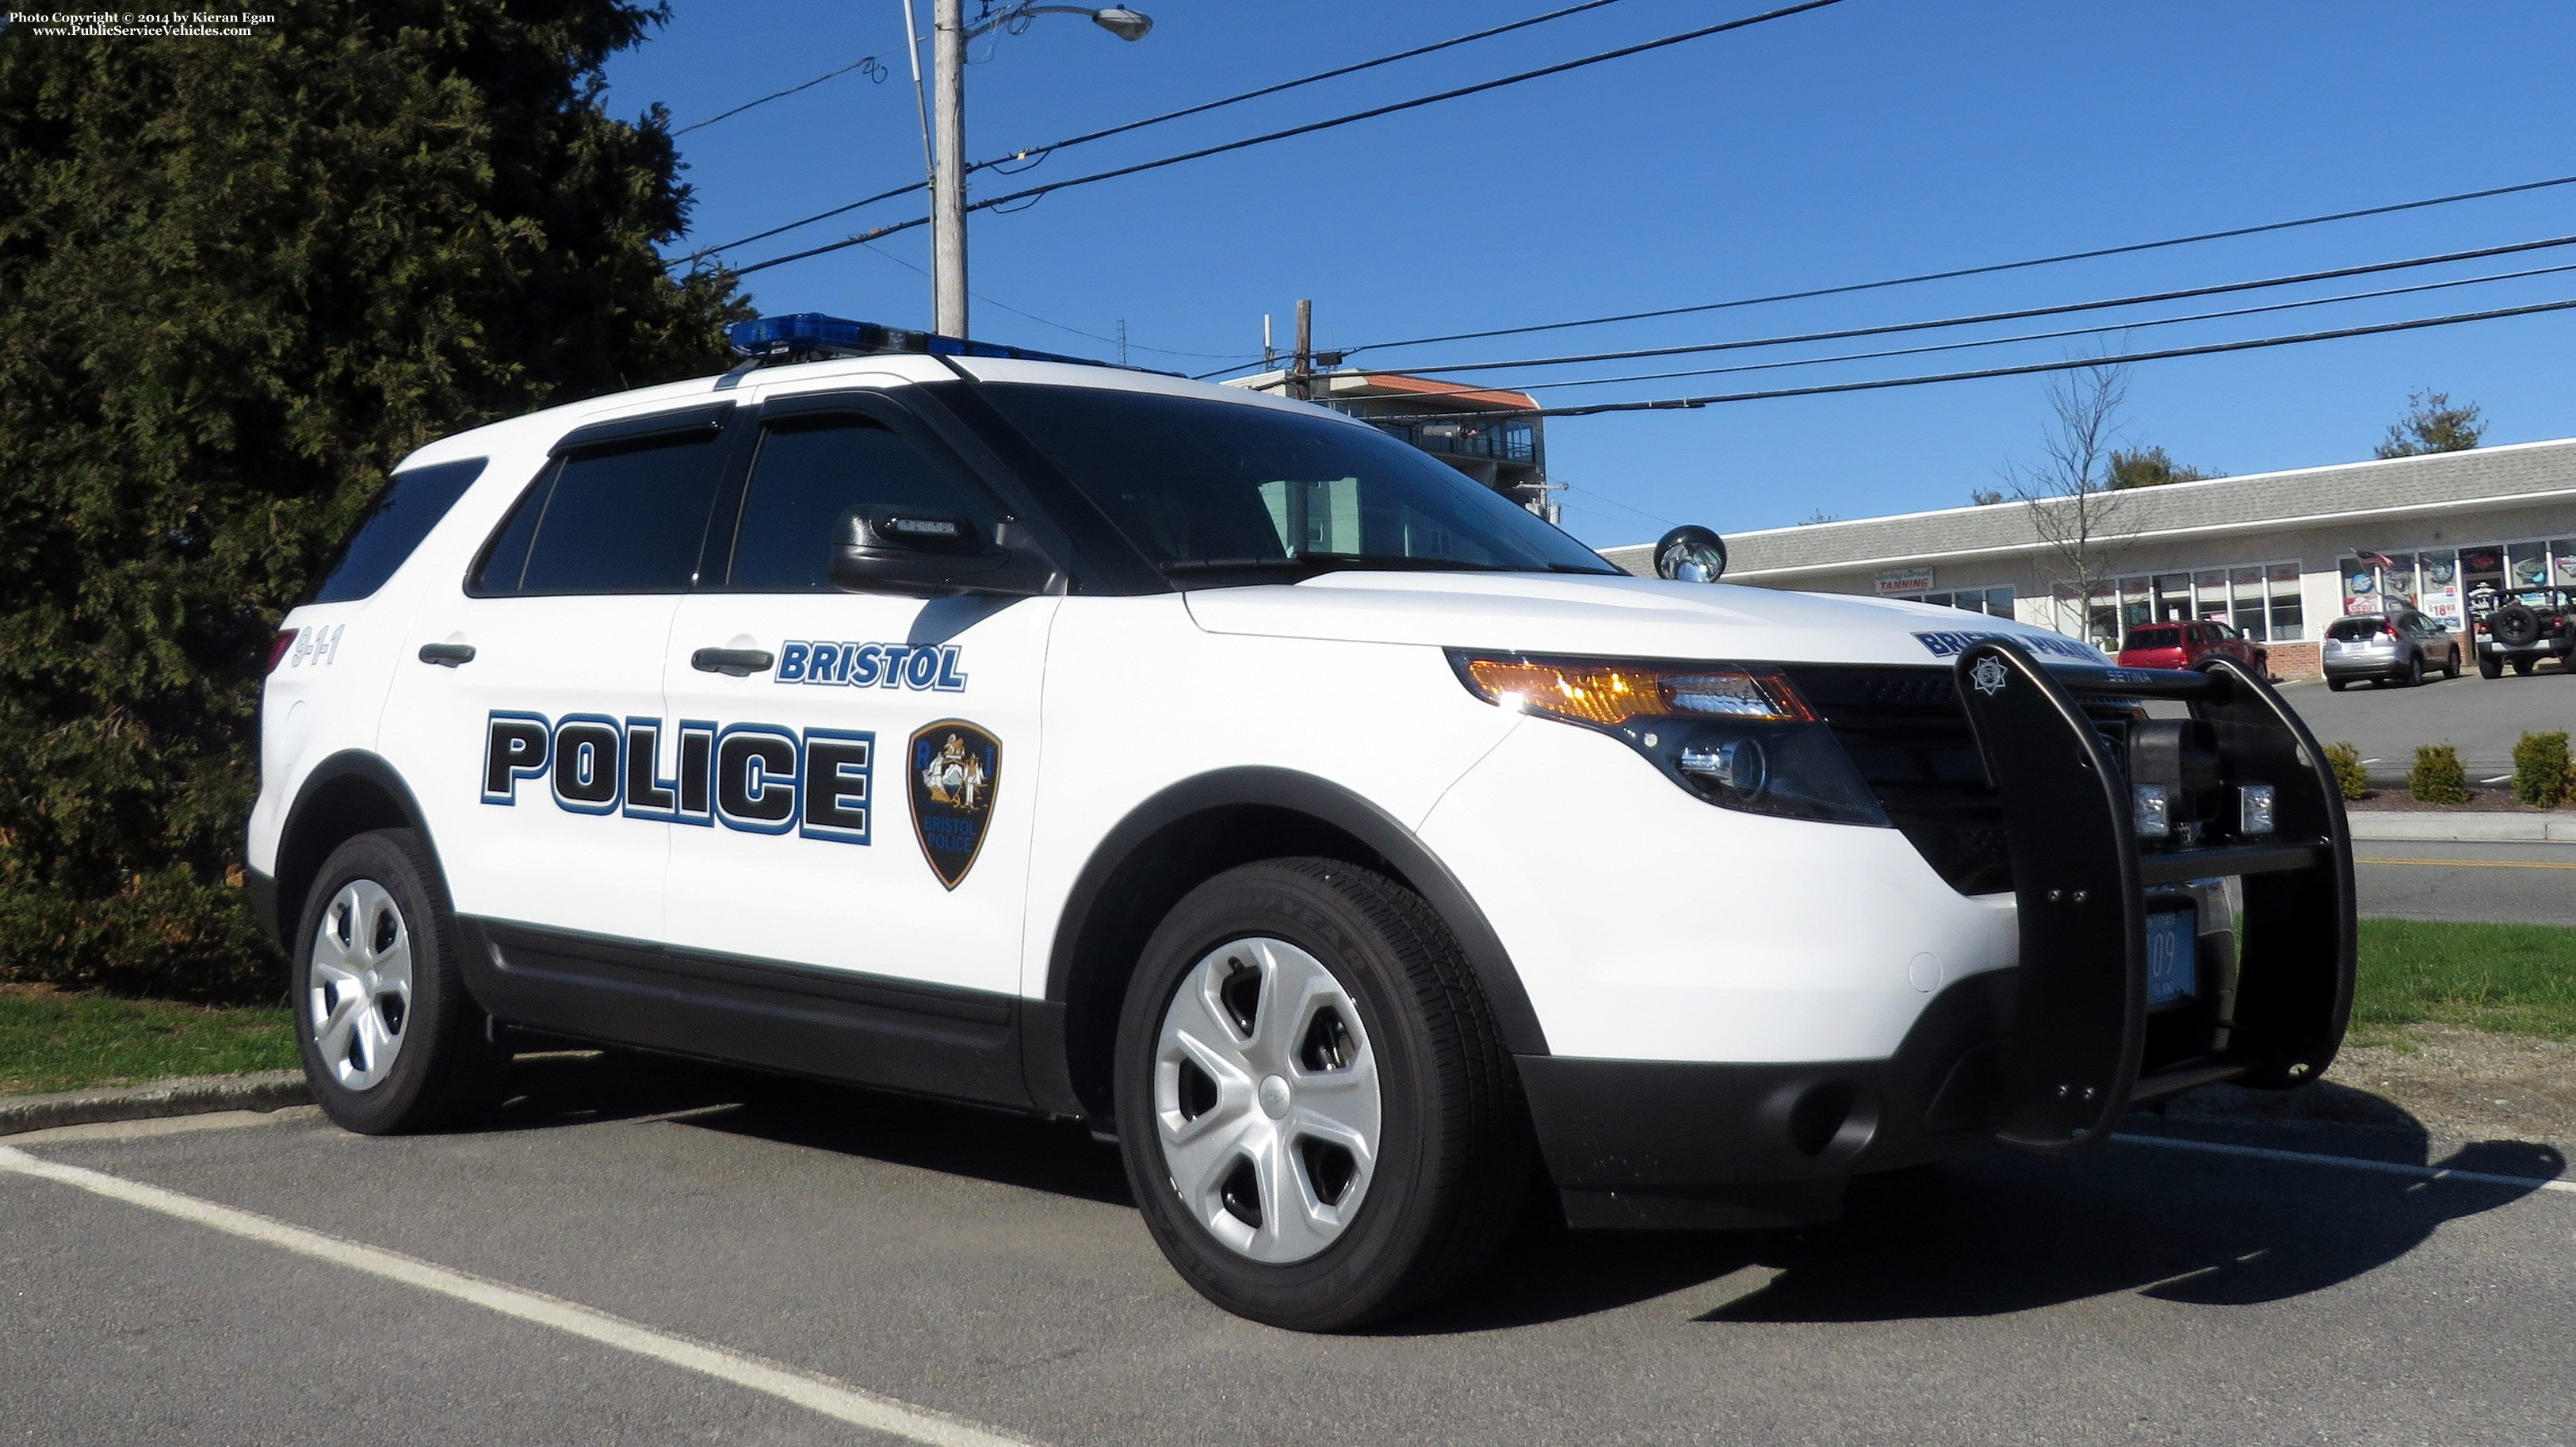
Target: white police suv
<point>1234,777</point>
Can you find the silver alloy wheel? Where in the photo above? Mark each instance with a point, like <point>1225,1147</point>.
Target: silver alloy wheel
<point>359,996</point>
<point>1266,1099</point>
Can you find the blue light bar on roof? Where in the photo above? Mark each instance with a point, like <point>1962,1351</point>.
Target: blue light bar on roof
<point>803,336</point>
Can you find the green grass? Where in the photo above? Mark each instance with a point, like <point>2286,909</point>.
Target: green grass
<point>53,1041</point>
<point>2513,979</point>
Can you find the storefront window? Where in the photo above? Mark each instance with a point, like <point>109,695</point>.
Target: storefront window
<point>2245,588</point>
<point>2286,623</point>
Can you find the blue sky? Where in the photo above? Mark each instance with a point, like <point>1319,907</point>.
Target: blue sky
<point>1874,138</point>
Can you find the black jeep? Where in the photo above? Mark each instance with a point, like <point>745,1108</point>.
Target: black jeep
<point>2522,628</point>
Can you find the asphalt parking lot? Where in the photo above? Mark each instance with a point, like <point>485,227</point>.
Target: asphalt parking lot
<point>2481,717</point>
<point>990,1268</point>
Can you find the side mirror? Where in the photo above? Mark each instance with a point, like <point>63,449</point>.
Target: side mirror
<point>926,554</point>
<point>1690,554</point>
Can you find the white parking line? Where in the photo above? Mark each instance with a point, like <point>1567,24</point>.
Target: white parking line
<point>2429,1173</point>
<point>837,1400</point>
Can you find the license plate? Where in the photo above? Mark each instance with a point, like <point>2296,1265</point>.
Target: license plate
<point>2173,955</point>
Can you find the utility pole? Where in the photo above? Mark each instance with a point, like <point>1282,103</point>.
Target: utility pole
<point>948,168</point>
<point>1301,371</point>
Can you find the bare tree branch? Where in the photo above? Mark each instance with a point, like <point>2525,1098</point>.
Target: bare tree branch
<point>2074,509</point>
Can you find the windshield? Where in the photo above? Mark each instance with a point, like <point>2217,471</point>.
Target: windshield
<point>1224,492</point>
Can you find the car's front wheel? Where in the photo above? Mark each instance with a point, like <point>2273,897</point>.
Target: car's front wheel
<point>390,1039</point>
<point>1319,1120</point>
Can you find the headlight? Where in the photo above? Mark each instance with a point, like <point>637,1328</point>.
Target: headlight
<point>1737,735</point>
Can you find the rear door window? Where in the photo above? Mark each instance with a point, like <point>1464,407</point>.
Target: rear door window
<point>412,504</point>
<point>617,519</point>
<point>809,473</point>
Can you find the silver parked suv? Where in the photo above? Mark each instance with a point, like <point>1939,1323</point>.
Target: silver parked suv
<point>2400,646</point>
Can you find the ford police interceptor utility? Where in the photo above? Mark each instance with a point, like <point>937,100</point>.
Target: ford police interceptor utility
<point>1236,778</point>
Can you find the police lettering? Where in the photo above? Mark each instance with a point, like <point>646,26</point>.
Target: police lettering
<point>923,667</point>
<point>757,777</point>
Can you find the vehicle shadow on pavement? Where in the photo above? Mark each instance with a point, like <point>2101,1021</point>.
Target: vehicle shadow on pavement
<point>589,1087</point>
<point>2001,1232</point>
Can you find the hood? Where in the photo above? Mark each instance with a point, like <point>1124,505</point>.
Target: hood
<point>1606,616</point>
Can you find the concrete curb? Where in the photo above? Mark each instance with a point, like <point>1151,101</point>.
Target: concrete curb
<point>2464,828</point>
<point>184,1095</point>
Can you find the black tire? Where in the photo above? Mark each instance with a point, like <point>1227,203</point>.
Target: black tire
<point>2490,666</point>
<point>2515,625</point>
<point>2523,665</point>
<point>1452,1155</point>
<point>2451,665</point>
<point>434,1061</point>
<point>2338,685</point>
<point>2415,671</point>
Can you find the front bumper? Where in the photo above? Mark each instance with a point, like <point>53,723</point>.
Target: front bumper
<point>2046,1055</point>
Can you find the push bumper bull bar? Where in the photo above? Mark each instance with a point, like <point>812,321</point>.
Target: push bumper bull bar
<point>2073,1064</point>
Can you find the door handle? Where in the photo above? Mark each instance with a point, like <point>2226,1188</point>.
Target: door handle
<point>447,655</point>
<point>738,662</point>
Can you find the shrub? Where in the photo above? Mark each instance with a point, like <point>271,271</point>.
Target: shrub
<point>2540,769</point>
<point>2345,760</point>
<point>2438,777</point>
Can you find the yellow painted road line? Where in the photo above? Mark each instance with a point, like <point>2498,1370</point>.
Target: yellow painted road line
<point>2468,863</point>
<point>815,1393</point>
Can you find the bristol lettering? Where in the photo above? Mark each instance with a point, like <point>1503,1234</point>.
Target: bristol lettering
<point>922,667</point>
<point>756,777</point>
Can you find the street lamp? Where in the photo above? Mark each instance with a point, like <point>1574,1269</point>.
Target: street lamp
<point>948,163</point>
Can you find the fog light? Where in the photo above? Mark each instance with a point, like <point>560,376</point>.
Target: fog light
<point>2151,810</point>
<point>1736,763</point>
<point>2254,809</point>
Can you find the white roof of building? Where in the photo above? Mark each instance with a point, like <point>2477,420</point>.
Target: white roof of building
<point>2354,491</point>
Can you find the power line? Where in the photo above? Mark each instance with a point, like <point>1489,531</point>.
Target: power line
<point>1307,129</point>
<point>2027,369</point>
<point>1971,270</point>
<point>1043,321</point>
<point>1044,151</point>
<point>2025,337</point>
<point>2019,314</point>
<point>868,63</point>
<point>1089,136</point>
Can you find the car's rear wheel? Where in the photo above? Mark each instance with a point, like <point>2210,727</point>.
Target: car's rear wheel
<point>390,1039</point>
<point>2522,667</point>
<point>1319,1121</point>
<point>2490,666</point>
<point>2451,665</point>
<point>2415,671</point>
<point>2338,685</point>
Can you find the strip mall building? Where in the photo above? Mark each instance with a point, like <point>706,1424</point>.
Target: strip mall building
<point>2276,555</point>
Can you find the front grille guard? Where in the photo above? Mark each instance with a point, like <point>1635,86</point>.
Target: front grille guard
<point>2072,1063</point>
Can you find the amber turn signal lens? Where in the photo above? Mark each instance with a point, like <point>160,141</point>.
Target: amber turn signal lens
<point>1610,693</point>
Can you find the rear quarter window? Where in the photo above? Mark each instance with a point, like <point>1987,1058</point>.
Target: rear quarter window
<point>621,518</point>
<point>412,504</point>
<point>2155,638</point>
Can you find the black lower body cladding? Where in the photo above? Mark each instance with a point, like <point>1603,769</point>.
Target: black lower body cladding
<point>1683,1144</point>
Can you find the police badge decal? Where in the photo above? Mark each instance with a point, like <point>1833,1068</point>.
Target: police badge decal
<point>954,766</point>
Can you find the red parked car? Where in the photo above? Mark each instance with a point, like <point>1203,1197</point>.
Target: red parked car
<point>2184,645</point>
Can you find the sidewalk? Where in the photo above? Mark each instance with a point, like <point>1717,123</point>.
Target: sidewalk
<point>2464,828</point>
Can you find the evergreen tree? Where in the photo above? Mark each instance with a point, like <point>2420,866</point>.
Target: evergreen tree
<point>239,278</point>
<point>2150,467</point>
<point>2432,424</point>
